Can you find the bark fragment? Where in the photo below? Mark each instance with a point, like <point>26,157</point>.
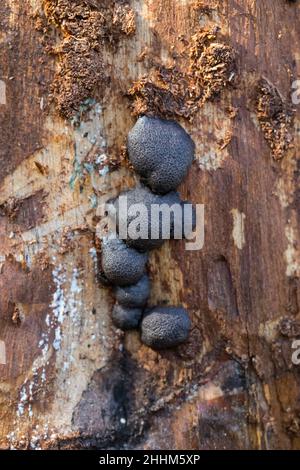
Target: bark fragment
<point>171,92</point>
<point>275,118</point>
<point>86,28</point>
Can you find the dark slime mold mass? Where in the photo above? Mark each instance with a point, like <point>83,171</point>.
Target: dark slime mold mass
<point>126,318</point>
<point>161,152</point>
<point>144,221</point>
<point>165,327</point>
<point>134,296</point>
<point>122,265</point>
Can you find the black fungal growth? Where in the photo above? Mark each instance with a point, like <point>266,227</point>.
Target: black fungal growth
<point>165,327</point>
<point>161,152</point>
<point>122,265</point>
<point>134,296</point>
<point>148,223</point>
<point>126,318</point>
<point>143,195</point>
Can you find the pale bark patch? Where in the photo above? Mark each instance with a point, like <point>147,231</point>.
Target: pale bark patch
<point>238,232</point>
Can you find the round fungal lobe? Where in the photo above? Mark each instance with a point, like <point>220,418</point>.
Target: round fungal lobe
<point>121,264</point>
<point>165,327</point>
<point>134,296</point>
<point>126,318</point>
<point>147,227</point>
<point>161,152</point>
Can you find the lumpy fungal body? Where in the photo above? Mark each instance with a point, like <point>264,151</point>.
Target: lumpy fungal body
<point>135,296</point>
<point>150,218</point>
<point>126,318</point>
<point>165,327</point>
<point>121,264</point>
<point>161,152</point>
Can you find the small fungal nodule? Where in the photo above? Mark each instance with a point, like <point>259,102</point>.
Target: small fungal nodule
<point>161,152</point>
<point>121,264</point>
<point>165,327</point>
<point>126,318</point>
<point>134,296</point>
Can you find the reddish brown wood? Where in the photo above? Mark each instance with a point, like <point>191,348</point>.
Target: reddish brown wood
<point>224,70</point>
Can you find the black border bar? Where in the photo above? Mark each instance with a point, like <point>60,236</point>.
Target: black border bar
<point>133,459</point>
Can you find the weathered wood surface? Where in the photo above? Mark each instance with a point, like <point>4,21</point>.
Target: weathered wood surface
<point>68,378</point>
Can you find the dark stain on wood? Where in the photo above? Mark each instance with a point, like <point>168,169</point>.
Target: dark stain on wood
<point>24,214</point>
<point>221,291</point>
<point>30,293</point>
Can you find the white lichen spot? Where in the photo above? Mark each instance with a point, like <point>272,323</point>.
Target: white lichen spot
<point>43,376</point>
<point>64,302</point>
<point>73,304</point>
<point>238,231</point>
<point>58,305</point>
<point>102,162</point>
<point>93,253</point>
<point>34,443</point>
<point>23,401</point>
<point>75,288</point>
<point>292,254</point>
<point>104,171</point>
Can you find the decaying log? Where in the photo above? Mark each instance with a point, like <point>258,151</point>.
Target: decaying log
<point>74,74</point>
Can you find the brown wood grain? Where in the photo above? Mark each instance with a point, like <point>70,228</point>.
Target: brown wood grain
<point>69,379</point>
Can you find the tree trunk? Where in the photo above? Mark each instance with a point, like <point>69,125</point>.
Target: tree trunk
<point>73,77</point>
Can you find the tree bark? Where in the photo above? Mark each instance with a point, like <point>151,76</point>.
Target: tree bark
<point>73,78</point>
